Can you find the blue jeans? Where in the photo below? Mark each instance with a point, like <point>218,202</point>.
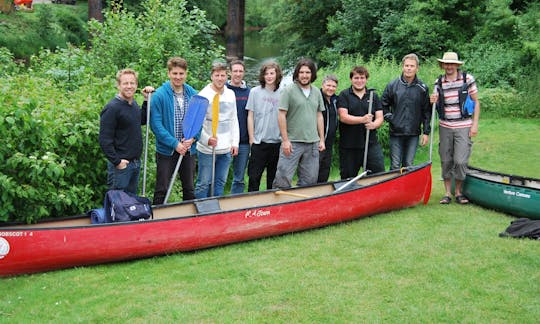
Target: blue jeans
<point>402,151</point>
<point>204,176</point>
<point>126,179</point>
<point>239,169</point>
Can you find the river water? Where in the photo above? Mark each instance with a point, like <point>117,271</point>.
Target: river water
<point>255,53</point>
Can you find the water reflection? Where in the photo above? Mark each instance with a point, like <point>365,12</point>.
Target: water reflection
<point>256,52</point>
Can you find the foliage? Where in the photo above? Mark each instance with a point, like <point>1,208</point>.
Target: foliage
<point>146,41</point>
<point>257,13</point>
<point>504,102</point>
<point>7,64</point>
<point>50,153</point>
<point>47,26</point>
<point>53,165</point>
<point>353,27</point>
<point>498,38</point>
<point>216,10</point>
<point>300,27</point>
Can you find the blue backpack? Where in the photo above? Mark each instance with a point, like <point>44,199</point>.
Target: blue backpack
<point>122,206</point>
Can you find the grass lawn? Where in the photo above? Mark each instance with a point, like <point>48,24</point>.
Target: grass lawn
<point>430,263</point>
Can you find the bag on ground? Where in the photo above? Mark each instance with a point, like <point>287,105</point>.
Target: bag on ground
<point>122,206</point>
<point>523,228</point>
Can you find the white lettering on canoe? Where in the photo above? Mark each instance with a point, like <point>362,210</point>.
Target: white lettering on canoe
<point>516,193</point>
<point>16,234</point>
<point>4,247</point>
<point>257,213</point>
<point>519,194</point>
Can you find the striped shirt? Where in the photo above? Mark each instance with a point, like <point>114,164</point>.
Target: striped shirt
<point>452,111</point>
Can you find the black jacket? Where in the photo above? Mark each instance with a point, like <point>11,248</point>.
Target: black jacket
<point>406,107</point>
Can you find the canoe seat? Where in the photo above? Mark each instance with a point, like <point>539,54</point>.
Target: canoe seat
<point>207,206</point>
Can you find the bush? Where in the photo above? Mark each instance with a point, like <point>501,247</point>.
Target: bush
<point>49,116</point>
<point>146,41</point>
<point>48,26</point>
<point>51,152</point>
<point>7,64</point>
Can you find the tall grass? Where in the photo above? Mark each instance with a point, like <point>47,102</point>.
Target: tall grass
<point>429,263</point>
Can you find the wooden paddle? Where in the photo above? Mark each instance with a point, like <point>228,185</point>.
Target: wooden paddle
<point>281,192</point>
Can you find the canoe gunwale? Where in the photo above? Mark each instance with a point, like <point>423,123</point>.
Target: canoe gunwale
<point>35,226</point>
<point>473,172</point>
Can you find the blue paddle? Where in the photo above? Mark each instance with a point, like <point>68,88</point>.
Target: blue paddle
<point>192,124</point>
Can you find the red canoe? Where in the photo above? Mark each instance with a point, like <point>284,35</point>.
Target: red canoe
<point>185,226</point>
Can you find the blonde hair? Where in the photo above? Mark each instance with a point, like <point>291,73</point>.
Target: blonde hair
<point>122,72</point>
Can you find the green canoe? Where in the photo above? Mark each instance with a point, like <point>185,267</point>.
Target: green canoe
<point>515,195</point>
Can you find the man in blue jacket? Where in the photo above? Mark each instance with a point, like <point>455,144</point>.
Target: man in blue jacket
<point>168,109</point>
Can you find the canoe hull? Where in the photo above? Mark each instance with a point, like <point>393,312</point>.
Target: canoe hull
<point>33,250</point>
<point>502,192</point>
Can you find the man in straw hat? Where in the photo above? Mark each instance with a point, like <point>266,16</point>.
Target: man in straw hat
<point>455,128</point>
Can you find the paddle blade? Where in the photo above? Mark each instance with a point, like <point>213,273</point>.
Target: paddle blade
<point>215,114</point>
<point>194,117</point>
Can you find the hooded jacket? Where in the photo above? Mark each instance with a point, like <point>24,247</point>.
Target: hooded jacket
<point>162,117</point>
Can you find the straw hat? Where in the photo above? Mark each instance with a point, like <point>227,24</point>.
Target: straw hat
<point>450,57</point>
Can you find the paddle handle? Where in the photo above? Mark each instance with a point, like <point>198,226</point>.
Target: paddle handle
<point>351,181</point>
<point>146,142</point>
<point>171,183</point>
<point>432,131</point>
<point>367,131</point>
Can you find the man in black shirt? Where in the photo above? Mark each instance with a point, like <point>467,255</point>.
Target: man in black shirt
<point>120,135</point>
<point>354,121</point>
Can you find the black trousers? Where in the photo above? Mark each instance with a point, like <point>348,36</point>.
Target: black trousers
<point>325,163</point>
<point>263,155</point>
<point>351,160</point>
<point>165,169</point>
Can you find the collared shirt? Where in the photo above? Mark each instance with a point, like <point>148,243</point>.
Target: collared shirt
<point>354,136</point>
<point>180,104</point>
<point>301,112</point>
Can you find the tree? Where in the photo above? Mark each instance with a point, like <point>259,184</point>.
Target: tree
<point>94,10</point>
<point>234,32</point>
<point>300,27</point>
